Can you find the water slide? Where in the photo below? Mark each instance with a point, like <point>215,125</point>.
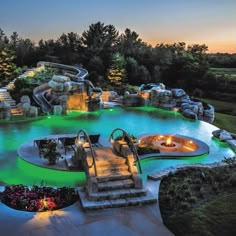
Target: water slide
<point>38,95</point>
<point>77,74</point>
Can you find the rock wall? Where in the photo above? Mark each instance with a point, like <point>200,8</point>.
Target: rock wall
<point>27,109</point>
<point>156,95</point>
<point>5,110</point>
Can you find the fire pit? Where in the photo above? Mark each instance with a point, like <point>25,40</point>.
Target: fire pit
<point>173,145</point>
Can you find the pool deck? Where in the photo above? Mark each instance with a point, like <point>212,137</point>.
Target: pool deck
<point>73,220</point>
<point>70,221</point>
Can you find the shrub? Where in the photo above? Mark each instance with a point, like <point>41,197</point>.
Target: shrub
<point>192,199</point>
<point>185,206</point>
<point>36,198</point>
<point>187,193</point>
<point>147,150</point>
<point>232,179</point>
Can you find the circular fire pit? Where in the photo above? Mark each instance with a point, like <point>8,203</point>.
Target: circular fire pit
<point>172,145</point>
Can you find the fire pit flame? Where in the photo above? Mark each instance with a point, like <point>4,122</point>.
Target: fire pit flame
<point>168,143</point>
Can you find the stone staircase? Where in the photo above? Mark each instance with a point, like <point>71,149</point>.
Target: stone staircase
<point>116,184</point>
<point>16,113</point>
<point>6,97</point>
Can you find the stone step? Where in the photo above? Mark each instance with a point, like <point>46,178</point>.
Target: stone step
<point>110,176</point>
<point>116,194</point>
<point>116,184</point>
<point>17,117</point>
<point>115,161</point>
<point>121,202</point>
<point>16,111</point>
<point>113,168</point>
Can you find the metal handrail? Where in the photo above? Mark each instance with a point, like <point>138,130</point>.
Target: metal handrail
<point>130,145</point>
<point>86,137</point>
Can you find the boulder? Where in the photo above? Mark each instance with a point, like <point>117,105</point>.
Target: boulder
<point>33,111</point>
<point>55,86</point>
<point>67,86</point>
<point>57,110</point>
<point>209,114</point>
<point>60,78</point>
<point>177,93</point>
<point>232,144</point>
<point>222,135</point>
<point>189,114</point>
<point>25,99</point>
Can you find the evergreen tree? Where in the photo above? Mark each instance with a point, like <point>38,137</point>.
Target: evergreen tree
<point>99,41</point>
<point>116,72</point>
<point>7,66</point>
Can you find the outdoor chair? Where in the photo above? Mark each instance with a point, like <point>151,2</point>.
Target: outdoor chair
<point>68,142</point>
<point>94,138</point>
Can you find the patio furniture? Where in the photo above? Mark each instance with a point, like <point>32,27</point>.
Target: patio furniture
<point>94,138</point>
<point>68,142</point>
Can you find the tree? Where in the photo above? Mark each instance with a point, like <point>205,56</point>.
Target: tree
<point>132,69</point>
<point>99,40</point>
<point>67,47</point>
<point>7,66</point>
<point>116,72</point>
<point>3,39</point>
<point>14,39</point>
<point>129,43</point>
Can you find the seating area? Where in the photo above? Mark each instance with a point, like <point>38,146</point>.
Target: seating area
<point>94,138</point>
<point>67,143</point>
<point>42,145</point>
<point>65,148</point>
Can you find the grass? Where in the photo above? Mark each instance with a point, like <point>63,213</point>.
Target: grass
<point>229,73</point>
<point>217,217</point>
<point>221,106</point>
<point>226,122</point>
<point>223,69</point>
<point>225,114</point>
<point>200,201</point>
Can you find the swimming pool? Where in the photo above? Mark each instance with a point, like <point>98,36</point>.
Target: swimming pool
<point>136,121</point>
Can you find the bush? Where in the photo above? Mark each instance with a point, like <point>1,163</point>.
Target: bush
<point>192,200</point>
<point>36,198</point>
<point>147,150</point>
<point>185,206</point>
<point>232,179</point>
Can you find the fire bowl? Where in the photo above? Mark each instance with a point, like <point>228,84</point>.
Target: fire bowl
<point>172,146</point>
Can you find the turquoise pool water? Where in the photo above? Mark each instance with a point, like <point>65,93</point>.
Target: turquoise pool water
<point>134,120</point>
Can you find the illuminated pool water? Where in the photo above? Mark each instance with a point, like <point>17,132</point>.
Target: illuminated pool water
<point>136,121</point>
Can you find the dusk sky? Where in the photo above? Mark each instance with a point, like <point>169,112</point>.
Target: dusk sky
<point>212,22</point>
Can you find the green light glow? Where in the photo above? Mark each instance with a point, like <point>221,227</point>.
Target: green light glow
<point>51,177</point>
<point>134,120</point>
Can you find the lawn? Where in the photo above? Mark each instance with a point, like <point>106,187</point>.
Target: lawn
<point>226,72</point>
<point>200,201</point>
<point>217,217</point>
<point>225,114</point>
<point>226,122</point>
<point>221,106</point>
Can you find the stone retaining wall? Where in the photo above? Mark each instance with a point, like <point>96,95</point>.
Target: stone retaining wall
<point>173,169</point>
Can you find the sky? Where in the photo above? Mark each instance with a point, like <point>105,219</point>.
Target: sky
<point>212,22</point>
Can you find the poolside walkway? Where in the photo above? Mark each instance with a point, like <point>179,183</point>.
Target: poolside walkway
<point>70,221</point>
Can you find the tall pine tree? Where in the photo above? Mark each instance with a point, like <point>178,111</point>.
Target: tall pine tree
<point>117,73</point>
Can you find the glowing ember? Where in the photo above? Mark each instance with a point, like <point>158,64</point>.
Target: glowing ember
<point>168,143</point>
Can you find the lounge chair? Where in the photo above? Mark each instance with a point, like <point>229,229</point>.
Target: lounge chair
<point>68,142</point>
<point>94,138</point>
